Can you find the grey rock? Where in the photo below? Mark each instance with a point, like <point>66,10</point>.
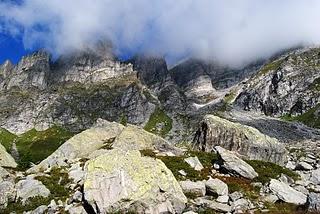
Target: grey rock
<point>235,196</point>
<point>220,207</point>
<point>279,88</point>
<point>81,145</point>
<point>7,193</point>
<point>241,205</point>
<point>40,210</point>
<point>314,202</point>
<point>315,176</point>
<point>247,141</point>
<point>30,188</point>
<point>6,160</point>
<point>77,196</point>
<point>235,165</point>
<point>197,188</point>
<point>217,186</point>
<point>304,166</point>
<point>287,193</point>
<point>118,179</point>
<point>223,199</point>
<point>271,198</point>
<point>194,163</point>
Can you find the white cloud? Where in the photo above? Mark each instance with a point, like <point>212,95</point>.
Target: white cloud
<point>234,32</point>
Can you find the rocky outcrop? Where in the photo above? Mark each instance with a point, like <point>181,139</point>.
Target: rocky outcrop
<point>247,141</point>
<point>287,85</point>
<point>82,145</point>
<point>31,71</point>
<point>119,179</point>
<point>287,193</point>
<point>234,164</point>
<point>135,138</point>
<point>6,159</point>
<point>102,136</point>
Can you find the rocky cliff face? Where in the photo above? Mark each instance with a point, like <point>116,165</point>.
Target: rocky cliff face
<point>200,80</point>
<point>288,85</point>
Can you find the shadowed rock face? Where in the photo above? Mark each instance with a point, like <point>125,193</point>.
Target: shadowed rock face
<point>152,71</point>
<point>288,85</point>
<point>247,141</point>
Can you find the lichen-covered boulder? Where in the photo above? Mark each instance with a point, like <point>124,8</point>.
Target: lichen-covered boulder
<point>135,138</point>
<point>6,159</point>
<point>119,179</point>
<point>82,145</point>
<point>248,141</point>
<point>234,165</point>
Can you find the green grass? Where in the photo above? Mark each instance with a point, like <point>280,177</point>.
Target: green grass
<point>161,119</point>
<point>34,146</point>
<point>316,84</point>
<point>56,183</point>
<point>309,118</point>
<point>272,66</point>
<point>268,171</point>
<point>6,138</point>
<point>31,204</point>
<point>177,163</point>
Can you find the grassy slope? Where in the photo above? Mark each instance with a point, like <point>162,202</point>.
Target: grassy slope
<point>308,118</point>
<point>34,146</point>
<point>156,118</point>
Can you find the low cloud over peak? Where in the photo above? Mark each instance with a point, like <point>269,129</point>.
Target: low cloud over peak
<point>233,32</point>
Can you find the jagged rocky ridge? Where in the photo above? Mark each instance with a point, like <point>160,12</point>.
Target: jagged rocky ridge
<point>67,96</point>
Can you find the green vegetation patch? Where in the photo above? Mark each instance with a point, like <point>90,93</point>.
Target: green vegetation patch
<point>177,163</point>
<point>310,118</point>
<point>316,84</point>
<point>31,204</point>
<point>272,66</point>
<point>159,123</point>
<point>285,208</point>
<point>268,171</point>
<point>6,138</point>
<point>56,182</point>
<point>34,146</point>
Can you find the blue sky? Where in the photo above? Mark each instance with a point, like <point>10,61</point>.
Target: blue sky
<point>233,32</point>
<point>11,48</point>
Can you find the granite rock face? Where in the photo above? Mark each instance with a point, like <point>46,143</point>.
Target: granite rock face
<point>247,141</point>
<point>287,85</point>
<point>120,179</point>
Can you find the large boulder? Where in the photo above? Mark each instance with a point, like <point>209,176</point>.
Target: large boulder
<point>30,188</point>
<point>135,138</point>
<point>82,145</point>
<point>287,193</point>
<point>104,135</point>
<point>6,160</point>
<point>234,164</point>
<point>120,179</point>
<point>315,176</point>
<point>246,140</point>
